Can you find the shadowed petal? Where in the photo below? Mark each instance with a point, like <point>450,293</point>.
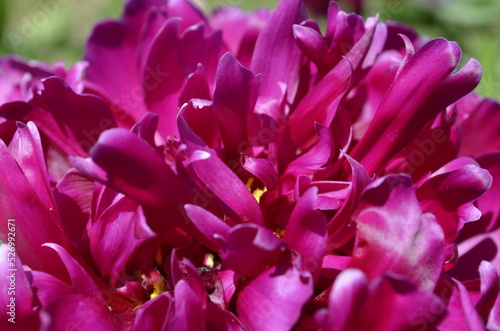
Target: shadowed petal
<point>274,300</point>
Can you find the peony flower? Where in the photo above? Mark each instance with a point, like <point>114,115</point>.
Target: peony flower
<point>246,171</point>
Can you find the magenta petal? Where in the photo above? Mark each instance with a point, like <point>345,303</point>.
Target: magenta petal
<point>235,96</point>
<point>281,292</point>
<point>208,225</point>
<point>489,290</point>
<point>26,148</point>
<point>306,232</point>
<point>81,281</point>
<point>329,89</point>
<point>450,192</point>
<point>163,76</point>
<point>110,49</point>
<point>427,89</point>
<point>71,121</point>
<point>35,223</point>
<point>152,314</point>
<point>49,287</point>
<point>340,229</point>
<point>494,319</point>
<point>146,128</point>
<point>185,271</point>
<point>73,196</point>
<point>478,138</point>
<point>462,314</point>
<point>348,294</point>
<point>262,169</point>
<point>277,56</point>
<point>196,87</point>
<point>134,168</point>
<point>80,118</point>
<point>311,42</point>
<point>356,304</point>
<point>248,249</point>
<point>234,197</point>
<point>112,237</point>
<point>389,213</point>
<point>78,311</point>
<point>16,299</point>
<point>412,308</point>
<point>218,319</point>
<point>188,313</point>
<point>190,14</point>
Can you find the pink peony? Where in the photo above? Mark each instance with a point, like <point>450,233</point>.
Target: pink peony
<point>247,171</point>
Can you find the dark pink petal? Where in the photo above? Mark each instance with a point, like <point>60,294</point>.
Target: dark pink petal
<point>331,87</point>
<point>494,319</point>
<point>134,168</point>
<point>311,42</point>
<point>306,232</point>
<point>235,96</point>
<point>185,271</point>
<point>109,50</point>
<point>113,238</point>
<point>388,303</point>
<point>208,225</point>
<point>196,87</point>
<point>489,290</point>
<point>152,314</point>
<point>450,192</point>
<point>163,76</point>
<point>199,46</point>
<point>316,158</point>
<point>274,300</point>
<point>17,302</point>
<point>188,312</point>
<point>276,55</point>
<point>249,248</point>
<point>330,194</point>
<point>462,314</point>
<point>394,235</point>
<point>340,227</point>
<point>81,280</point>
<point>78,311</point>
<point>218,319</point>
<point>262,169</point>
<point>434,146</point>
<point>49,287</point>
<point>488,225</point>
<point>234,197</point>
<point>348,294</point>
<point>427,89</point>
<point>240,30</point>
<point>72,122</point>
<point>189,13</point>
<point>81,118</point>
<point>146,128</point>
<point>35,222</point>
<point>73,196</point>
<point>26,149</point>
<point>479,138</point>
<point>200,116</point>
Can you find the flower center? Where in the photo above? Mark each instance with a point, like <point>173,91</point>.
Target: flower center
<point>256,192</point>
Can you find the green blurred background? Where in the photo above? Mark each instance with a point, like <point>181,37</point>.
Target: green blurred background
<point>49,30</point>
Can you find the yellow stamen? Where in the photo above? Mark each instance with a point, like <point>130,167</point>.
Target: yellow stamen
<point>257,193</point>
<point>279,232</point>
<point>210,261</point>
<point>159,287</point>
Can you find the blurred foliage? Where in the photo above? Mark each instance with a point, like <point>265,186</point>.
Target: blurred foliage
<point>49,30</point>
